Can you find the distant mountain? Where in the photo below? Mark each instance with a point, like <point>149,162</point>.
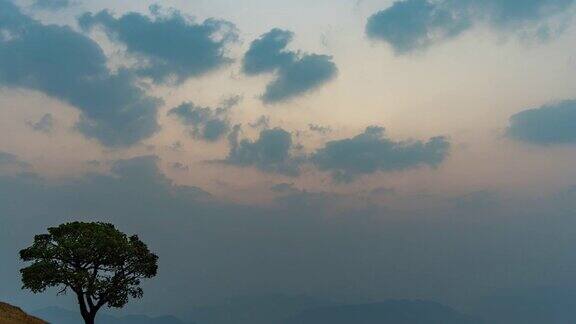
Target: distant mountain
<point>282,309</point>
<point>388,312</point>
<point>58,315</point>
<point>13,315</point>
<point>530,306</point>
<point>266,309</point>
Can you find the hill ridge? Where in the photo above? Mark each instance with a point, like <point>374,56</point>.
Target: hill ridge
<point>10,314</point>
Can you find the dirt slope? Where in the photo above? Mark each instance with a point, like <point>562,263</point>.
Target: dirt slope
<point>13,315</point>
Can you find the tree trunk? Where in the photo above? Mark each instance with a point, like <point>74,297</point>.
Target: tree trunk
<point>87,315</point>
<point>89,318</point>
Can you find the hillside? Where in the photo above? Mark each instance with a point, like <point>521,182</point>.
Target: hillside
<point>13,315</point>
<point>389,312</point>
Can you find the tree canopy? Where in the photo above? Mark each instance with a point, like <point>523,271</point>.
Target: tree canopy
<point>100,264</point>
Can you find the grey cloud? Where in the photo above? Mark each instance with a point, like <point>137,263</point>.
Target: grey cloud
<point>477,199</point>
<point>305,243</point>
<point>205,123</point>
<point>271,152</point>
<point>383,191</point>
<point>546,125</point>
<point>319,128</point>
<point>296,73</point>
<point>179,166</point>
<point>44,125</point>
<point>304,75</point>
<point>9,160</point>
<point>94,163</point>
<point>113,109</point>
<point>410,25</point>
<point>268,53</point>
<point>371,151</point>
<point>275,152</point>
<point>414,24</point>
<point>51,4</point>
<point>174,47</point>
<point>300,200</point>
<point>231,101</point>
<point>510,13</point>
<point>177,146</point>
<point>263,122</point>
<point>284,188</point>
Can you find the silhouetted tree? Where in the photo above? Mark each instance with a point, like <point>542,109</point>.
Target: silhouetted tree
<point>100,264</point>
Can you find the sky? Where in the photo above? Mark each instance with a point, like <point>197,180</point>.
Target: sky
<point>355,150</point>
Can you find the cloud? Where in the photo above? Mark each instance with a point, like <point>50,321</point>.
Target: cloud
<point>414,24</point>
<point>179,166</point>
<point>44,125</point>
<point>296,73</point>
<point>267,53</point>
<point>284,188</point>
<point>10,161</point>
<point>176,146</point>
<point>275,152</point>
<point>263,122</point>
<point>71,67</point>
<point>515,14</point>
<point>271,152</point>
<point>307,74</point>
<point>206,123</point>
<point>547,125</point>
<point>371,151</point>
<point>319,129</point>
<point>312,243</point>
<point>411,25</point>
<point>382,191</point>
<point>173,47</point>
<point>51,4</point>
<point>477,199</point>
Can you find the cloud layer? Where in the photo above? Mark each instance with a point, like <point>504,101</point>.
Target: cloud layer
<point>44,125</point>
<point>371,151</point>
<point>272,152</point>
<point>51,4</point>
<point>296,73</point>
<point>549,124</point>
<point>410,25</point>
<point>10,161</point>
<point>172,46</point>
<point>71,67</point>
<point>203,122</point>
<point>314,243</point>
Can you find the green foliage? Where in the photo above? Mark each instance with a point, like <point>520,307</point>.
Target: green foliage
<point>102,265</point>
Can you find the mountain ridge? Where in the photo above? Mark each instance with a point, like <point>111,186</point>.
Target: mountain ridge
<point>386,312</point>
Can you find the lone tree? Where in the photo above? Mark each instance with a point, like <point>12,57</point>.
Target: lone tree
<point>100,264</point>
